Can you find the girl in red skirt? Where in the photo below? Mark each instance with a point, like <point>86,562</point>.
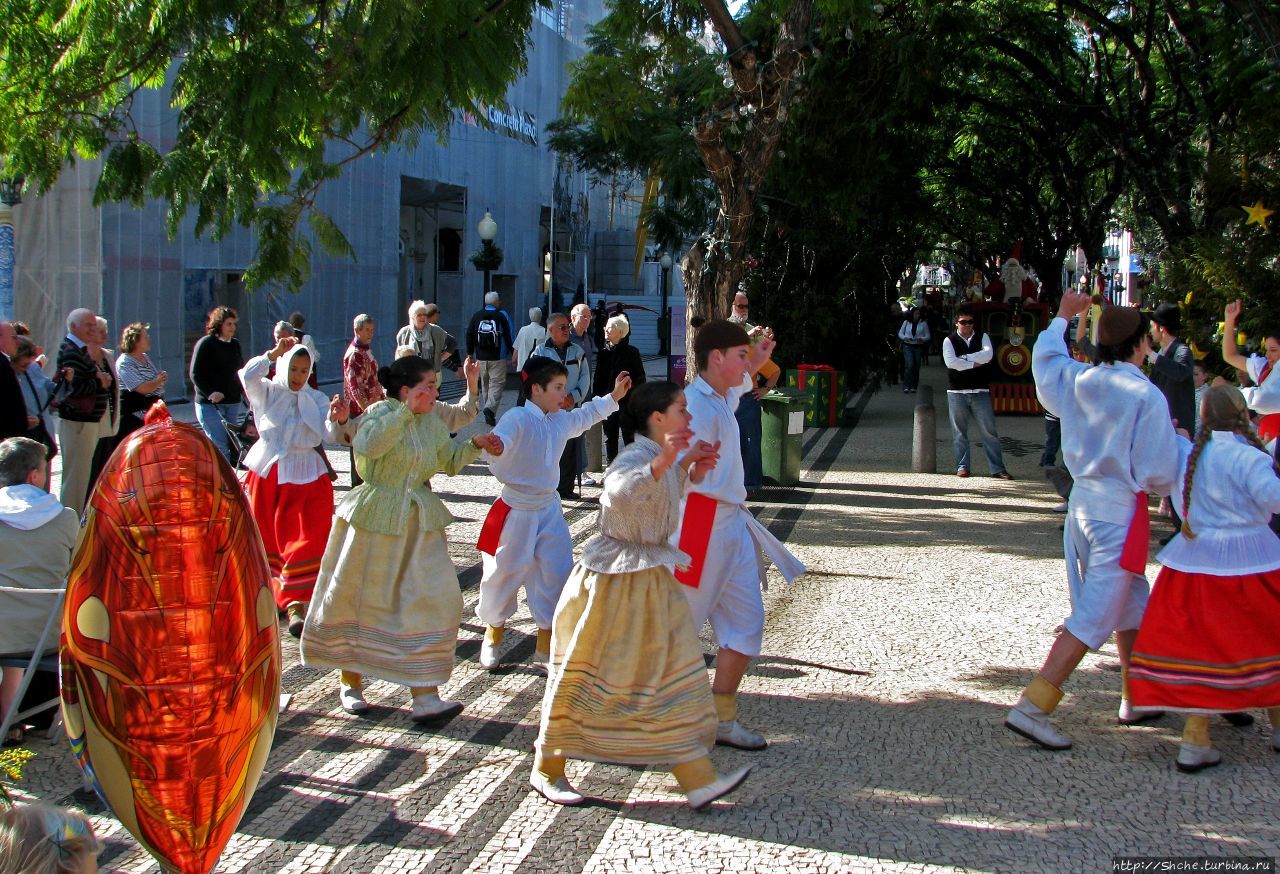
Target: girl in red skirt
<point>288,482</point>
<point>1210,637</point>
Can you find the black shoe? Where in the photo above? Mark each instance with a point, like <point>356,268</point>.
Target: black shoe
<point>490,418</point>
<point>1239,720</point>
<point>568,495</point>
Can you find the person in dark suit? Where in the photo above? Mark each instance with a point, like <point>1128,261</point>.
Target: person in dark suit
<point>13,409</point>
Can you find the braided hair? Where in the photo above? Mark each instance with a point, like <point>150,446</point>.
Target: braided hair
<point>1222,409</point>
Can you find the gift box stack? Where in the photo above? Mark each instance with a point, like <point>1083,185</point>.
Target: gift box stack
<point>827,391</point>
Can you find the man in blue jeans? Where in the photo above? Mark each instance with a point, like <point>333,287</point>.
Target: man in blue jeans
<point>967,354</point>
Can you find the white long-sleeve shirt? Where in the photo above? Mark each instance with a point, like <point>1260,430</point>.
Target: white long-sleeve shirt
<point>1117,439</point>
<point>1264,396</point>
<point>291,424</point>
<point>967,361</point>
<point>1233,495</point>
<point>533,442</point>
<point>713,420</point>
<point>917,334</point>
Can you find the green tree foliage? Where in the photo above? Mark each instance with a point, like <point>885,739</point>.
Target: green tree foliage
<point>273,99</point>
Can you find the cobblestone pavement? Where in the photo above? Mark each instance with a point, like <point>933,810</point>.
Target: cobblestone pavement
<point>886,674</point>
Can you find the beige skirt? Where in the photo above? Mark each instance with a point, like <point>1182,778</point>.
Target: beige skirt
<point>386,606</point>
<point>628,682</point>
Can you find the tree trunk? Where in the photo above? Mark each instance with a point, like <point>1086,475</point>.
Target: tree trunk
<point>763,91</point>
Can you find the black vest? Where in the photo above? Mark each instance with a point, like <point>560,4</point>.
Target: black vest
<point>967,380</point>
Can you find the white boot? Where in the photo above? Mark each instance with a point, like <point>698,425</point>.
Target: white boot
<point>559,792</point>
<point>700,798</point>
<point>352,700</point>
<point>432,708</point>
<point>488,655</point>
<point>1033,723</point>
<point>1192,758</point>
<point>1130,715</point>
<point>733,734</point>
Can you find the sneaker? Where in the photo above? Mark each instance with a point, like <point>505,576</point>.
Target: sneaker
<point>489,418</point>
<point>1192,758</point>
<point>488,656</point>
<point>590,481</point>
<point>1004,474</point>
<point>962,473</point>
<point>559,792</point>
<point>433,708</point>
<point>1239,720</point>
<point>352,700</point>
<point>297,613</point>
<point>1130,715</point>
<point>1033,723</point>
<point>722,786</point>
<point>732,734</point>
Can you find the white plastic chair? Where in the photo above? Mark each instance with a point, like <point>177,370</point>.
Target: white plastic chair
<point>39,660</point>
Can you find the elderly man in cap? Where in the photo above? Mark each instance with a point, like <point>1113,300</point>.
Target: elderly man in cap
<point>1119,445</point>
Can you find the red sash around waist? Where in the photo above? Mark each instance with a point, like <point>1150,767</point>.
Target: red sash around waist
<point>1133,558</point>
<point>1269,427</point>
<point>491,530</point>
<point>695,534</point>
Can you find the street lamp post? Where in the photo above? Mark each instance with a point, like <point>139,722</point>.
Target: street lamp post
<point>488,230</point>
<point>10,196</point>
<point>664,334</point>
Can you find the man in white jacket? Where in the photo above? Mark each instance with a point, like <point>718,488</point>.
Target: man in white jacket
<point>1119,445</point>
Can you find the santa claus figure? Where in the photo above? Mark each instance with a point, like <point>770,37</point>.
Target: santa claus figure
<point>1014,280</point>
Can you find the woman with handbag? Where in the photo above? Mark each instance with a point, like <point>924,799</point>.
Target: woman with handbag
<point>141,383</point>
<point>288,484</point>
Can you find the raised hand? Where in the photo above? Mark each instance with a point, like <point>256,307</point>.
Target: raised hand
<point>490,443</point>
<point>701,459</point>
<point>1232,312</point>
<point>470,369</point>
<point>673,443</point>
<point>283,345</point>
<point>621,386</point>
<point>1074,303</point>
<point>339,410</point>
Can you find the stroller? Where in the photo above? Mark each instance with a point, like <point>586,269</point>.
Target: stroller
<point>241,436</point>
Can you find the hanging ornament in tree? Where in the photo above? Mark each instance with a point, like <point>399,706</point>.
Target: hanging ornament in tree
<point>1258,214</point>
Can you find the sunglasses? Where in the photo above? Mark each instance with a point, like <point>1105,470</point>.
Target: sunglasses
<point>964,321</point>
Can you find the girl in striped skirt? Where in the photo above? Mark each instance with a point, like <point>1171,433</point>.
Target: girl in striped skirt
<point>627,680</point>
<point>1210,637</point>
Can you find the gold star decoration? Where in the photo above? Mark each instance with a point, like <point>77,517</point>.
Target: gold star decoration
<point>1258,213</point>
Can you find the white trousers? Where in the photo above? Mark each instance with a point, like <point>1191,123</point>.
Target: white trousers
<point>534,551</point>
<point>729,593</point>
<point>1104,596</point>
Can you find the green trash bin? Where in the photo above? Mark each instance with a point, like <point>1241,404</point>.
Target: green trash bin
<point>781,443</point>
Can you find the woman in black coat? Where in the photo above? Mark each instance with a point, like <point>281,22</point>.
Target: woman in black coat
<point>616,356</point>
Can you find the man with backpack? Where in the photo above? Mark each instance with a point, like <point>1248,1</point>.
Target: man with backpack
<point>489,342</point>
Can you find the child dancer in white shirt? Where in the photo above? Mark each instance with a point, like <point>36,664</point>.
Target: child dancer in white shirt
<point>1210,639</point>
<point>525,540</point>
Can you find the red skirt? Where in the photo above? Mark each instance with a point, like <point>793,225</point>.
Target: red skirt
<point>294,520</point>
<point>1209,644</point>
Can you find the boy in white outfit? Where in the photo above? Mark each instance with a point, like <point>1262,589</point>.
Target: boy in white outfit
<point>1119,445</point>
<point>723,582</point>
<point>525,540</point>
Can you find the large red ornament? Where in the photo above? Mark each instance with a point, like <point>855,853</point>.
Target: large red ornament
<point>170,651</point>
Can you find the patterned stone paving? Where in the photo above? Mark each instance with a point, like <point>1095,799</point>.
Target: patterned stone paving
<point>886,673</point>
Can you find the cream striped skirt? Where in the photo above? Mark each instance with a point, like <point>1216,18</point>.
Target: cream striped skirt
<point>628,682</point>
<point>385,606</point>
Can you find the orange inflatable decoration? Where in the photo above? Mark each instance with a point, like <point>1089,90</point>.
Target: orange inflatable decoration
<point>170,651</point>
